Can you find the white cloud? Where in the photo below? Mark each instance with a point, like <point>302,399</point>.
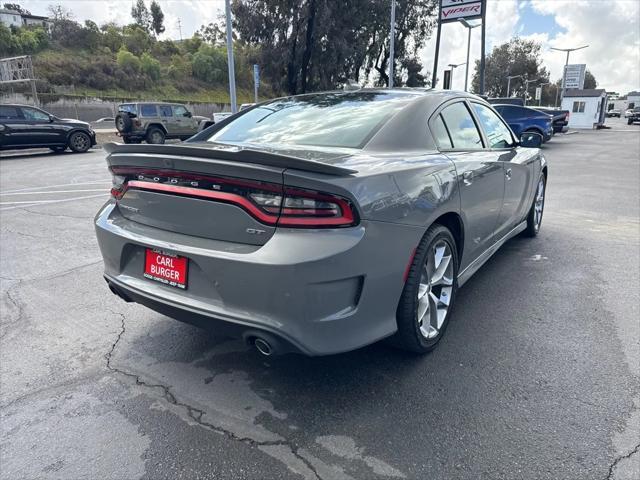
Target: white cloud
<point>610,28</point>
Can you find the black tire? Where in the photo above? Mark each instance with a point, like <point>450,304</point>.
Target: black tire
<point>533,223</point>
<point>630,122</point>
<point>58,149</point>
<point>155,136</point>
<point>79,142</point>
<point>409,336</point>
<point>129,140</point>
<point>123,122</point>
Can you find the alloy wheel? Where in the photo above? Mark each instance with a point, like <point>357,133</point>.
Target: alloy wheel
<point>434,291</point>
<point>80,142</point>
<point>538,207</point>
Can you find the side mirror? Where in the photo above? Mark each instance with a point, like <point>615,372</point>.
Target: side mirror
<point>531,140</point>
<point>187,114</point>
<point>52,119</point>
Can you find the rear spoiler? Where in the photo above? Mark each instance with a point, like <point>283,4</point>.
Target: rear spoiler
<point>232,154</point>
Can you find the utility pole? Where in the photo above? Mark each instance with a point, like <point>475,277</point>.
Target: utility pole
<point>564,73</point>
<point>509,83</point>
<point>453,67</point>
<point>232,73</point>
<point>392,40</point>
<point>540,86</point>
<point>482,47</point>
<point>180,28</point>
<point>469,27</point>
<point>526,88</point>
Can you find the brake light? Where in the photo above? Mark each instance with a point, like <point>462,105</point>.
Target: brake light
<point>269,203</point>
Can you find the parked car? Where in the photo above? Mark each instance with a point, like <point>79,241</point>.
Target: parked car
<point>24,126</point>
<point>634,116</point>
<point>506,101</point>
<point>323,222</point>
<point>560,120</point>
<point>154,122</point>
<point>628,112</point>
<point>525,119</point>
<point>614,113</point>
<point>216,117</point>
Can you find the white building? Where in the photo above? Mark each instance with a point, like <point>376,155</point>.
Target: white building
<point>586,107</point>
<point>633,99</point>
<point>10,18</point>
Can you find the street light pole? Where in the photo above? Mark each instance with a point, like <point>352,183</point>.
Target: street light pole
<point>564,73</point>
<point>392,34</point>
<point>453,67</point>
<point>542,85</point>
<point>509,77</point>
<point>232,73</point>
<point>526,88</point>
<point>469,27</point>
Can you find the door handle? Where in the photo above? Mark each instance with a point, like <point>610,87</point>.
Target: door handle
<point>508,174</point>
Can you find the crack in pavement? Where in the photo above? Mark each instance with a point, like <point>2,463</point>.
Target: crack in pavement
<point>44,214</point>
<point>615,463</point>
<point>19,306</point>
<point>28,235</point>
<point>195,413</point>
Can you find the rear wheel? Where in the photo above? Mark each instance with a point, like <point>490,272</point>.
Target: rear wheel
<point>534,219</point>
<point>79,142</point>
<point>155,135</point>
<point>429,292</point>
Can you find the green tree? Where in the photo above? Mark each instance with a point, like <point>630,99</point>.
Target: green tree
<point>589,80</point>
<point>136,39</point>
<point>210,64</point>
<point>516,57</point>
<point>111,36</point>
<point>128,61</point>
<point>150,67</point>
<point>306,45</point>
<point>180,67</point>
<point>16,8</point>
<point>141,15</point>
<point>157,18</point>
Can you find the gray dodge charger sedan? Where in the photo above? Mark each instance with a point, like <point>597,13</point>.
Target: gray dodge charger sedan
<point>321,223</point>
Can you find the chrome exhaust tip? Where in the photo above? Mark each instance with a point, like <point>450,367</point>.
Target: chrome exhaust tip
<point>263,346</point>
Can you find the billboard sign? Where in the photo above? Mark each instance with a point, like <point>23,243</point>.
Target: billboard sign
<point>446,82</point>
<point>574,76</point>
<point>538,93</point>
<point>454,10</point>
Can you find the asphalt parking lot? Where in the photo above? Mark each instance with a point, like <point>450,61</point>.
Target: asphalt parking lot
<point>537,377</point>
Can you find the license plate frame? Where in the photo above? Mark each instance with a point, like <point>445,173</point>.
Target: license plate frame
<point>166,268</point>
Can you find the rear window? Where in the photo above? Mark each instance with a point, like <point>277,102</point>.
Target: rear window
<point>130,108</point>
<point>165,110</point>
<point>331,120</point>
<point>9,112</point>
<point>148,111</point>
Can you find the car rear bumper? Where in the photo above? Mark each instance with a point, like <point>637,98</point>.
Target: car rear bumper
<point>318,291</point>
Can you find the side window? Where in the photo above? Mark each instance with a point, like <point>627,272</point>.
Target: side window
<point>165,110</point>
<point>497,132</point>
<point>34,115</point>
<point>462,129</point>
<point>440,134</point>
<point>9,113</point>
<point>127,107</point>
<point>179,111</point>
<point>148,110</point>
<point>578,107</point>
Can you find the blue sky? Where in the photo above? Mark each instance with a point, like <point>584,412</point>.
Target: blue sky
<point>532,22</point>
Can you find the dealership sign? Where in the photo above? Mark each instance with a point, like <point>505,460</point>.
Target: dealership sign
<point>454,10</point>
<point>574,76</point>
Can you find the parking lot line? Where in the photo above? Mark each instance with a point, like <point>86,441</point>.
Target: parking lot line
<point>46,192</point>
<point>43,202</point>
<point>99,182</point>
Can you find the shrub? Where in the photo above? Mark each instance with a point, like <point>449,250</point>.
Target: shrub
<point>128,61</point>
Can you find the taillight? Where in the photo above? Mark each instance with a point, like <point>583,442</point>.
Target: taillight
<point>269,203</point>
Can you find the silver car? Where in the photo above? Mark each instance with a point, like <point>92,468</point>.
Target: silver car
<point>321,223</point>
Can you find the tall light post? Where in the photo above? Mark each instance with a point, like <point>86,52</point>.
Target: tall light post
<point>509,83</point>
<point>564,73</point>
<point>232,72</point>
<point>542,85</point>
<point>453,67</point>
<point>469,27</point>
<point>392,35</point>
<point>526,88</point>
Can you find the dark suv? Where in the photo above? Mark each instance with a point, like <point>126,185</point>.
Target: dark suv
<point>23,126</point>
<point>154,122</point>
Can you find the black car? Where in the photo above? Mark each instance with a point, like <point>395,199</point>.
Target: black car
<point>633,116</point>
<point>560,118</point>
<point>23,126</point>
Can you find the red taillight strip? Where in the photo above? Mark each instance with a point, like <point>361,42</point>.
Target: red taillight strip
<point>198,192</point>
<point>344,220</point>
